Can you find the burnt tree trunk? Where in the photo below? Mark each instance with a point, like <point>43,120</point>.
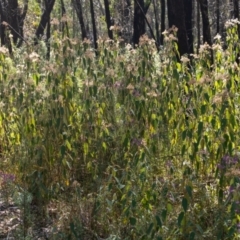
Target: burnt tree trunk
<point>163,27</point>
<point>93,26</point>
<point>156,22</point>
<point>78,8</point>
<point>205,22</point>
<point>44,19</point>
<point>139,28</point>
<point>188,6</point>
<point>176,17</point>
<point>108,18</point>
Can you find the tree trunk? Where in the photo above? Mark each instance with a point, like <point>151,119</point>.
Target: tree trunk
<point>156,22</point>
<point>218,15</point>
<point>236,13</point>
<point>188,6</point>
<point>139,28</point>
<point>44,19</point>
<point>176,17</point>
<point>78,8</point>
<point>163,10</point>
<point>14,21</point>
<point>205,22</point>
<point>198,27</point>
<point>108,18</point>
<point>94,26</point>
<point>138,22</point>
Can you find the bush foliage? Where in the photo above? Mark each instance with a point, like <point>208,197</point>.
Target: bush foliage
<point>135,143</point>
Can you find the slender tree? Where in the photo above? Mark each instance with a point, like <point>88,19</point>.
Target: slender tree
<point>78,8</point>
<point>13,19</point>
<point>93,26</point>
<point>163,9</point>
<point>205,22</point>
<point>176,17</point>
<point>188,6</point>
<point>156,22</point>
<point>108,19</point>
<point>236,13</point>
<point>140,10</point>
<point>44,19</point>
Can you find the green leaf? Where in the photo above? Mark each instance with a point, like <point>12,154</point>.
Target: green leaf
<point>189,190</point>
<point>164,214</point>
<point>133,221</point>
<point>200,128</point>
<point>180,218</point>
<point>159,222</point>
<point>63,150</point>
<point>192,236</point>
<point>150,228</point>
<point>185,204</point>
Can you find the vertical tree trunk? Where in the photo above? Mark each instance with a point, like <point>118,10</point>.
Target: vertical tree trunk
<point>176,17</point>
<point>78,7</point>
<point>156,22</point>
<point>218,15</point>
<point>206,25</point>
<point>93,26</point>
<point>44,19</point>
<point>139,28</point>
<point>64,24</point>
<point>188,6</point>
<point>108,18</point>
<point>236,13</point>
<point>48,35</point>
<point>198,27</point>
<point>138,21</point>
<point>205,22</point>
<point>163,9</point>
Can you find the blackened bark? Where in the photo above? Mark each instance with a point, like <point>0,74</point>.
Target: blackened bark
<point>156,22</point>
<point>139,28</point>
<point>218,15</point>
<point>64,24</point>
<point>48,35</point>
<point>188,22</point>
<point>108,18</point>
<point>163,12</point>
<point>205,22</point>
<point>176,17</point>
<point>44,19</point>
<point>93,25</point>
<point>206,25</point>
<point>3,22</point>
<point>78,7</point>
<point>138,22</point>
<point>14,19</point>
<point>198,27</point>
<point>236,13</point>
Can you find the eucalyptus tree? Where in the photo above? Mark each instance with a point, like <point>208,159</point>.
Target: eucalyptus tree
<point>140,10</point>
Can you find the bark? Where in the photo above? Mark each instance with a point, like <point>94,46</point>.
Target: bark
<point>156,22</point>
<point>205,22</point>
<point>198,27</point>
<point>14,18</point>
<point>139,28</point>
<point>108,18</point>
<point>236,13</point>
<point>93,25</point>
<point>176,17</point>
<point>188,6</point>
<point>218,15</point>
<point>163,12</point>
<point>44,19</point>
<point>78,8</point>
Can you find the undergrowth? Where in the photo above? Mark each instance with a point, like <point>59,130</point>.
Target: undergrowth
<point>126,144</point>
